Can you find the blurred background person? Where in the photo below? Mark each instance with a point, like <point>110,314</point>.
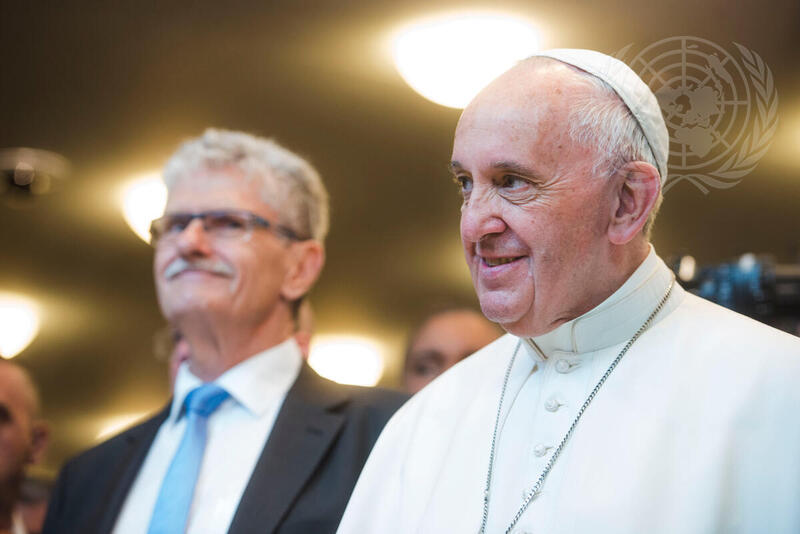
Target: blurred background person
<point>181,351</point>
<point>172,348</point>
<point>304,327</point>
<point>442,340</point>
<point>23,440</point>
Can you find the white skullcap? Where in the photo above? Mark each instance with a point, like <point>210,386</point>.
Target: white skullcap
<point>631,89</point>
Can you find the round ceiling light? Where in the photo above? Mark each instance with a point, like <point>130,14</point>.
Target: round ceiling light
<point>26,173</point>
<point>19,323</point>
<point>143,200</point>
<point>347,359</point>
<point>449,59</point>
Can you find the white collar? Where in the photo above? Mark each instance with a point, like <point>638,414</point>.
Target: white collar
<point>614,320</point>
<point>253,383</point>
<point>17,524</point>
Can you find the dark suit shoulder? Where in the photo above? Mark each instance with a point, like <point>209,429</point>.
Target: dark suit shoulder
<point>91,486</point>
<point>377,398</point>
<point>375,406</point>
<point>322,436</point>
<point>353,399</point>
<point>110,448</point>
<point>120,441</point>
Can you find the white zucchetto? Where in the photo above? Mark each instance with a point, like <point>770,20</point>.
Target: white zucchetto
<point>630,88</point>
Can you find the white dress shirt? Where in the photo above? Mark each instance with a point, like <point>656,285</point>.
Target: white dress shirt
<point>695,431</point>
<point>237,433</point>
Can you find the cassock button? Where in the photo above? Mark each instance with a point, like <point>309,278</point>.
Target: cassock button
<point>540,450</point>
<point>552,405</point>
<point>565,366</point>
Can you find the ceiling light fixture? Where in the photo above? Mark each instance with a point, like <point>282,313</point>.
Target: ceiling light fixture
<point>19,323</point>
<point>347,359</point>
<point>143,200</point>
<point>449,59</point>
<point>29,172</point>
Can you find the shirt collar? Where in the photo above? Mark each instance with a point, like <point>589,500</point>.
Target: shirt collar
<point>17,524</point>
<point>255,383</point>
<point>614,320</point>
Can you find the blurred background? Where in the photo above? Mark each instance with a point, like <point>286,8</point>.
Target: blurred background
<point>103,92</point>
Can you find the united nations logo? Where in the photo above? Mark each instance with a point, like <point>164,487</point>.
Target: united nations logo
<point>721,112</point>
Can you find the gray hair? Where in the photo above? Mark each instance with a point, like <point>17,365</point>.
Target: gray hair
<point>602,120</point>
<point>288,183</point>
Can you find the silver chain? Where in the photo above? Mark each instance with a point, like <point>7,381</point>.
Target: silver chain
<point>537,488</point>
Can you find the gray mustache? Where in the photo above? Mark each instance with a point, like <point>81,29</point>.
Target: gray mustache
<point>179,265</point>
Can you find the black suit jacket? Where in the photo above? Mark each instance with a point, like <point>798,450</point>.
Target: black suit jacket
<point>300,485</point>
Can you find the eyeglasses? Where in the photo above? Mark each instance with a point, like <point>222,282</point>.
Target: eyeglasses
<point>219,224</point>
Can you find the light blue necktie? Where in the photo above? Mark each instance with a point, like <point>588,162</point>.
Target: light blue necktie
<point>177,490</point>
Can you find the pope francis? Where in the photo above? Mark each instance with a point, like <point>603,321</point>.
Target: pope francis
<point>617,403</point>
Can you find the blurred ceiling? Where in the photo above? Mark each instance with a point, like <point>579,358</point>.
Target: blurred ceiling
<point>115,86</point>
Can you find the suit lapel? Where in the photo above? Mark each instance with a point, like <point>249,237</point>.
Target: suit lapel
<point>137,444</point>
<point>304,430</point>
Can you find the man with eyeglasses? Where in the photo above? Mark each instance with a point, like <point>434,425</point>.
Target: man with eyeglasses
<point>253,440</point>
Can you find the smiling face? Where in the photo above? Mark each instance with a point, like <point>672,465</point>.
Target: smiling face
<point>534,218</point>
<point>240,279</point>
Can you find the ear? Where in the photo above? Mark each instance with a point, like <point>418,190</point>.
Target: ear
<point>636,195</point>
<point>307,258</point>
<point>40,438</point>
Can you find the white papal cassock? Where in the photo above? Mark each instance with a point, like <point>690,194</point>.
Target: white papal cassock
<point>696,431</point>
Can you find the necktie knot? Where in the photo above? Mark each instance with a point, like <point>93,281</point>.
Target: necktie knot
<point>204,399</point>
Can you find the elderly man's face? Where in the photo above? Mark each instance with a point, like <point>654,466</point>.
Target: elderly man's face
<point>534,218</point>
<point>226,278</point>
<point>16,424</point>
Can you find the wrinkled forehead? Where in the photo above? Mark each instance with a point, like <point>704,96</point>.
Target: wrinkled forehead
<point>533,97</point>
<point>513,118</point>
<point>218,187</point>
